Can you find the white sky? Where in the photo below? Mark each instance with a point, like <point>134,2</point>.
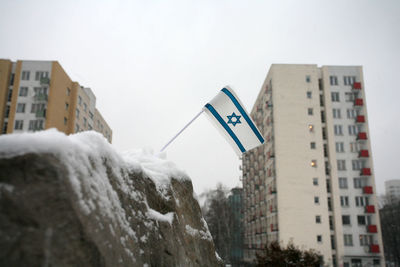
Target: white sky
<point>154,64</point>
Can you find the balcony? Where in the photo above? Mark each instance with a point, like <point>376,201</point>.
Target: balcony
<point>358,102</point>
<point>272,209</point>
<point>40,113</point>
<point>362,136</point>
<point>367,190</point>
<point>360,119</point>
<point>274,227</point>
<point>44,81</point>
<point>41,97</point>
<point>365,171</point>
<point>370,209</point>
<point>372,228</point>
<point>357,86</point>
<point>272,190</point>
<point>363,154</point>
<point>374,249</point>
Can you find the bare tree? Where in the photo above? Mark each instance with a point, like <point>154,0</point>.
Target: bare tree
<point>390,224</point>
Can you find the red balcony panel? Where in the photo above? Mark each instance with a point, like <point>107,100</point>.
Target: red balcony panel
<point>374,249</point>
<point>360,119</point>
<point>363,154</point>
<point>367,190</point>
<point>362,136</point>
<point>366,171</point>
<point>372,228</point>
<point>357,86</point>
<point>359,102</point>
<point>370,209</point>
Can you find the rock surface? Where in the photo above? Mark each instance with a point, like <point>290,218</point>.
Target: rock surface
<point>74,201</point>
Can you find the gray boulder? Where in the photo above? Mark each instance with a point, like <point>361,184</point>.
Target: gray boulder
<point>74,201</point>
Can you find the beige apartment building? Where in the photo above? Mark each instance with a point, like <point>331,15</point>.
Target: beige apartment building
<point>38,95</point>
<point>312,182</point>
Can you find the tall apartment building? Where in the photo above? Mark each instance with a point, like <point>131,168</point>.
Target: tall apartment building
<point>312,182</point>
<point>37,95</point>
<point>392,191</point>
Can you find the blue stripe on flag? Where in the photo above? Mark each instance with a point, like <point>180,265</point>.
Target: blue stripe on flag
<point>244,114</point>
<point>226,127</point>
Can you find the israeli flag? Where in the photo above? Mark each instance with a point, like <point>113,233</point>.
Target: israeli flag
<point>229,116</point>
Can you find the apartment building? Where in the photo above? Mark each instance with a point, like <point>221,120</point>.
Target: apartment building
<point>38,95</point>
<point>312,182</point>
<point>392,191</point>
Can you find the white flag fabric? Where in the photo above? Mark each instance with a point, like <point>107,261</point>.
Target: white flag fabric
<point>230,117</point>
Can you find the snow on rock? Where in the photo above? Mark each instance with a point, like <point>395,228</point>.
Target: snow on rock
<point>110,197</point>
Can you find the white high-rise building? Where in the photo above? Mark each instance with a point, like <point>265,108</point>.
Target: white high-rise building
<point>312,182</point>
<point>392,190</point>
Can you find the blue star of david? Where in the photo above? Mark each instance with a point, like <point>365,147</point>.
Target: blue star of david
<point>236,121</point>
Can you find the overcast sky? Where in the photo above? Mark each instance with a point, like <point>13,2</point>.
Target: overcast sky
<point>154,64</point>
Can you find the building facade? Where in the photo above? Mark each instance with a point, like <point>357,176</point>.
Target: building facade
<point>235,201</point>
<point>392,191</point>
<point>312,182</point>
<point>38,95</point>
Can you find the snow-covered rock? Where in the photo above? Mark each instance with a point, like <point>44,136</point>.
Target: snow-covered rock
<point>75,201</point>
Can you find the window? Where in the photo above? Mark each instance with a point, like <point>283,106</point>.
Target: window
<point>351,113</point>
<point>316,200</point>
<point>348,240</point>
<point>80,100</point>
<point>41,74</point>
<point>333,245</point>
<point>319,238</point>
<point>333,80</point>
<point>361,201</point>
<point>343,182</point>
<point>338,129</point>
<point>90,115</point>
<point>349,80</point>
<point>314,163</point>
<point>308,78</point>
<point>365,240</point>
<point>339,147</point>
<point>25,75</point>
<point>37,107</point>
<point>7,113</point>
<point>66,106</point>
<point>349,97</point>
<point>65,121</point>
<point>68,91</point>
<point>312,145</point>
<point>9,95</point>
<point>354,147</point>
<point>84,121</point>
<point>310,111</point>
<point>23,91</point>
<point>77,113</point>
<point>76,128</point>
<point>315,181</point>
<point>318,219</point>
<point>344,201</point>
<point>358,182</point>
<point>346,219</point>
<point>90,127</point>
<point>353,130</point>
<point>336,113</point>
<point>357,164</point>
<point>341,165</point>
<point>335,96</point>
<point>35,125</point>
<point>21,108</point>
<point>40,91</point>
<point>309,94</point>
<point>84,107</point>
<point>19,124</point>
<point>329,200</point>
<point>361,219</point>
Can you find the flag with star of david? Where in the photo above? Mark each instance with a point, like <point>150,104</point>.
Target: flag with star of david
<point>230,117</point>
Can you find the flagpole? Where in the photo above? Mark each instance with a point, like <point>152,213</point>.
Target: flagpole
<point>187,125</point>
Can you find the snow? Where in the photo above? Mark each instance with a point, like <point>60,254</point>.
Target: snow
<point>153,214</point>
<point>198,233</point>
